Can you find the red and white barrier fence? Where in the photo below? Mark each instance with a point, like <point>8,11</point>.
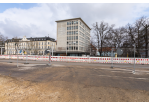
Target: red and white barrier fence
<point>79,59</point>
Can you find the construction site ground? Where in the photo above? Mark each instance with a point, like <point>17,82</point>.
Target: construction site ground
<point>73,82</point>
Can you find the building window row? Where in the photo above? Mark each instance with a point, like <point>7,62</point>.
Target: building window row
<point>72,43</point>
<point>72,48</point>
<point>85,28</point>
<point>82,29</point>
<point>81,39</point>
<point>81,44</point>
<point>82,24</point>
<point>72,22</point>
<point>72,33</point>
<point>72,27</point>
<point>72,37</point>
<point>81,48</point>
<point>81,33</point>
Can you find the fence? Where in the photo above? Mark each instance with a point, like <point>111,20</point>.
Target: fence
<point>116,60</point>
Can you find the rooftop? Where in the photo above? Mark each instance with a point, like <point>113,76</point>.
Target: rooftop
<point>73,19</point>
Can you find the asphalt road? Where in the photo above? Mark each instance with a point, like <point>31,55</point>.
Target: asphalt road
<point>90,75</point>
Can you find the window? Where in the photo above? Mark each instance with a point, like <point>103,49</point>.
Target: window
<point>76,27</point>
<point>77,32</point>
<point>72,27</point>
<point>69,37</point>
<point>76,37</point>
<point>72,22</point>
<point>76,48</point>
<point>69,47</point>
<point>69,32</point>
<point>48,42</point>
<point>72,32</point>
<point>76,42</point>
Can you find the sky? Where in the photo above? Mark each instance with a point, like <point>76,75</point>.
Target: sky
<point>38,19</point>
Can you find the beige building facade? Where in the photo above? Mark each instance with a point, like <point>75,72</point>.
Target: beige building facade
<point>35,46</point>
<point>73,37</point>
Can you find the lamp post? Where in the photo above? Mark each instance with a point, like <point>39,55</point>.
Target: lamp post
<point>66,48</point>
<point>7,47</point>
<point>26,53</point>
<point>17,54</point>
<point>112,58</point>
<point>134,59</point>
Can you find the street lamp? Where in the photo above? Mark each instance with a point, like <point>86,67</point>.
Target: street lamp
<point>17,54</point>
<point>134,59</point>
<point>7,47</point>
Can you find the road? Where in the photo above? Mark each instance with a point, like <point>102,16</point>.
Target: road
<point>74,74</point>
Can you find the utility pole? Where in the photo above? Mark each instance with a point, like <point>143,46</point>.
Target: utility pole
<point>7,47</point>
<point>112,58</point>
<point>146,42</point>
<point>52,49</point>
<point>134,59</point>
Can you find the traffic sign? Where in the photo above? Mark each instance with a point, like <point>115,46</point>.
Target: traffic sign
<point>119,51</point>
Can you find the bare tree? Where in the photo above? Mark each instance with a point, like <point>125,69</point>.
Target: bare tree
<point>3,38</point>
<point>118,37</point>
<point>101,31</point>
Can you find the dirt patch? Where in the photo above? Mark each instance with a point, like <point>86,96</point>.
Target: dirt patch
<point>18,90</point>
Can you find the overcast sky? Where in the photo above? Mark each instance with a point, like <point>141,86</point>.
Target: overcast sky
<point>38,20</point>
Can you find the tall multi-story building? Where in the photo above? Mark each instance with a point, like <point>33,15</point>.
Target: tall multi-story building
<point>36,45</point>
<point>73,37</point>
